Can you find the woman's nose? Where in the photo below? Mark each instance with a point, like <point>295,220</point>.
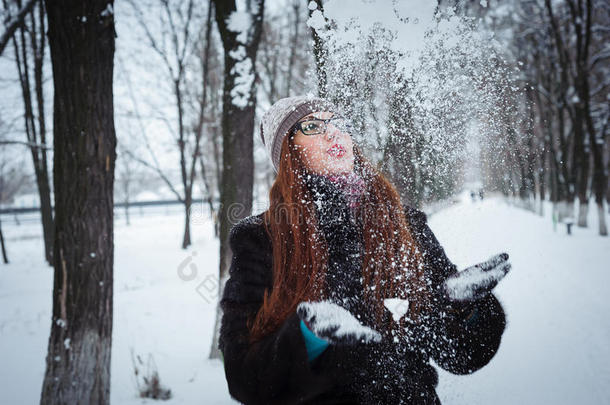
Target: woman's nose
<point>331,132</point>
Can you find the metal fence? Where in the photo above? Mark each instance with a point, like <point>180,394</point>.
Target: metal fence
<point>19,215</point>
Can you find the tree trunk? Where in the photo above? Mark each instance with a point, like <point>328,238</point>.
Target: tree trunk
<point>81,38</point>
<point>42,171</point>
<point>237,131</point>
<point>209,193</point>
<point>205,82</point>
<point>186,239</point>
<point>293,46</point>
<point>566,182</point>
<point>46,210</point>
<point>599,176</point>
<point>608,187</point>
<point>570,175</point>
<point>580,168</point>
<point>320,56</point>
<point>188,202</point>
<point>4,256</point>
<point>601,213</point>
<point>542,173</point>
<point>36,136</point>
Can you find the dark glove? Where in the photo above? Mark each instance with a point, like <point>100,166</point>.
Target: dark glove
<point>358,352</point>
<point>476,281</point>
<point>337,325</point>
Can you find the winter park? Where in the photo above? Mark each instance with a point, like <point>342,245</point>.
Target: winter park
<point>304,201</point>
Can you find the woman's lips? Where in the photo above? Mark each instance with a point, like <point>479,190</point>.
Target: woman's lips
<point>336,150</point>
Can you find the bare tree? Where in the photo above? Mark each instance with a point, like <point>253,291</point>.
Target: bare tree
<point>270,57</point>
<point>561,48</point>
<point>284,53</point>
<point>12,22</point>
<point>130,178</point>
<point>81,39</point>
<point>180,19</point>
<point>12,179</point>
<point>571,25</point>
<point>29,46</point>
<point>208,115</point>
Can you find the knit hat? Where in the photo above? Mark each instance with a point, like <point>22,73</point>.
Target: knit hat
<point>282,116</point>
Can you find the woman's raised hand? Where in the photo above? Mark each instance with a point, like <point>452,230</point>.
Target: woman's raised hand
<point>476,281</point>
<point>336,324</point>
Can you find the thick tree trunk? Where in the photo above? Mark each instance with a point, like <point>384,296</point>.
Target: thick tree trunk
<point>596,144</point>
<point>81,37</point>
<point>580,167</point>
<point>583,210</point>
<point>319,56</point>
<point>601,214</point>
<point>600,178</point>
<point>293,47</point>
<point>237,131</point>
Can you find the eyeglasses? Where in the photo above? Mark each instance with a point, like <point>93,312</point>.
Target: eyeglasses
<point>315,126</point>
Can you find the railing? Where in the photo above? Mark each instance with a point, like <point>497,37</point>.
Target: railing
<point>18,215</point>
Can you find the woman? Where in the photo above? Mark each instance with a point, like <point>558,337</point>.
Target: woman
<point>337,293</point>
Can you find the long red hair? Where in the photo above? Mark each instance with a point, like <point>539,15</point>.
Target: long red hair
<point>392,262</point>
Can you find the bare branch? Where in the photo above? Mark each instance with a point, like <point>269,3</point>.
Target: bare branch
<point>30,144</point>
<point>155,165</point>
<point>151,39</point>
<point>159,172</point>
<point>14,23</point>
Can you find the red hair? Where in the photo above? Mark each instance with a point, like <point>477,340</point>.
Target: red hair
<point>392,262</point>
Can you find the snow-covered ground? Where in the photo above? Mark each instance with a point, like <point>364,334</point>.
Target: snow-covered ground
<point>556,346</point>
<point>555,349</point>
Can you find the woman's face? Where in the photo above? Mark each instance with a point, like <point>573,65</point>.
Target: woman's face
<point>331,152</point>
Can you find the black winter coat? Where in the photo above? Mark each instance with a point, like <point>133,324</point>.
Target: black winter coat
<point>461,338</point>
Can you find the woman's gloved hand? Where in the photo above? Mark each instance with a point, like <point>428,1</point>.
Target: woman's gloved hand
<point>334,323</point>
<point>476,281</point>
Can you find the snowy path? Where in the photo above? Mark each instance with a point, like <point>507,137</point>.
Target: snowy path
<point>555,349</point>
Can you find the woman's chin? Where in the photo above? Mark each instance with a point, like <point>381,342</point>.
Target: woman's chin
<point>338,167</point>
